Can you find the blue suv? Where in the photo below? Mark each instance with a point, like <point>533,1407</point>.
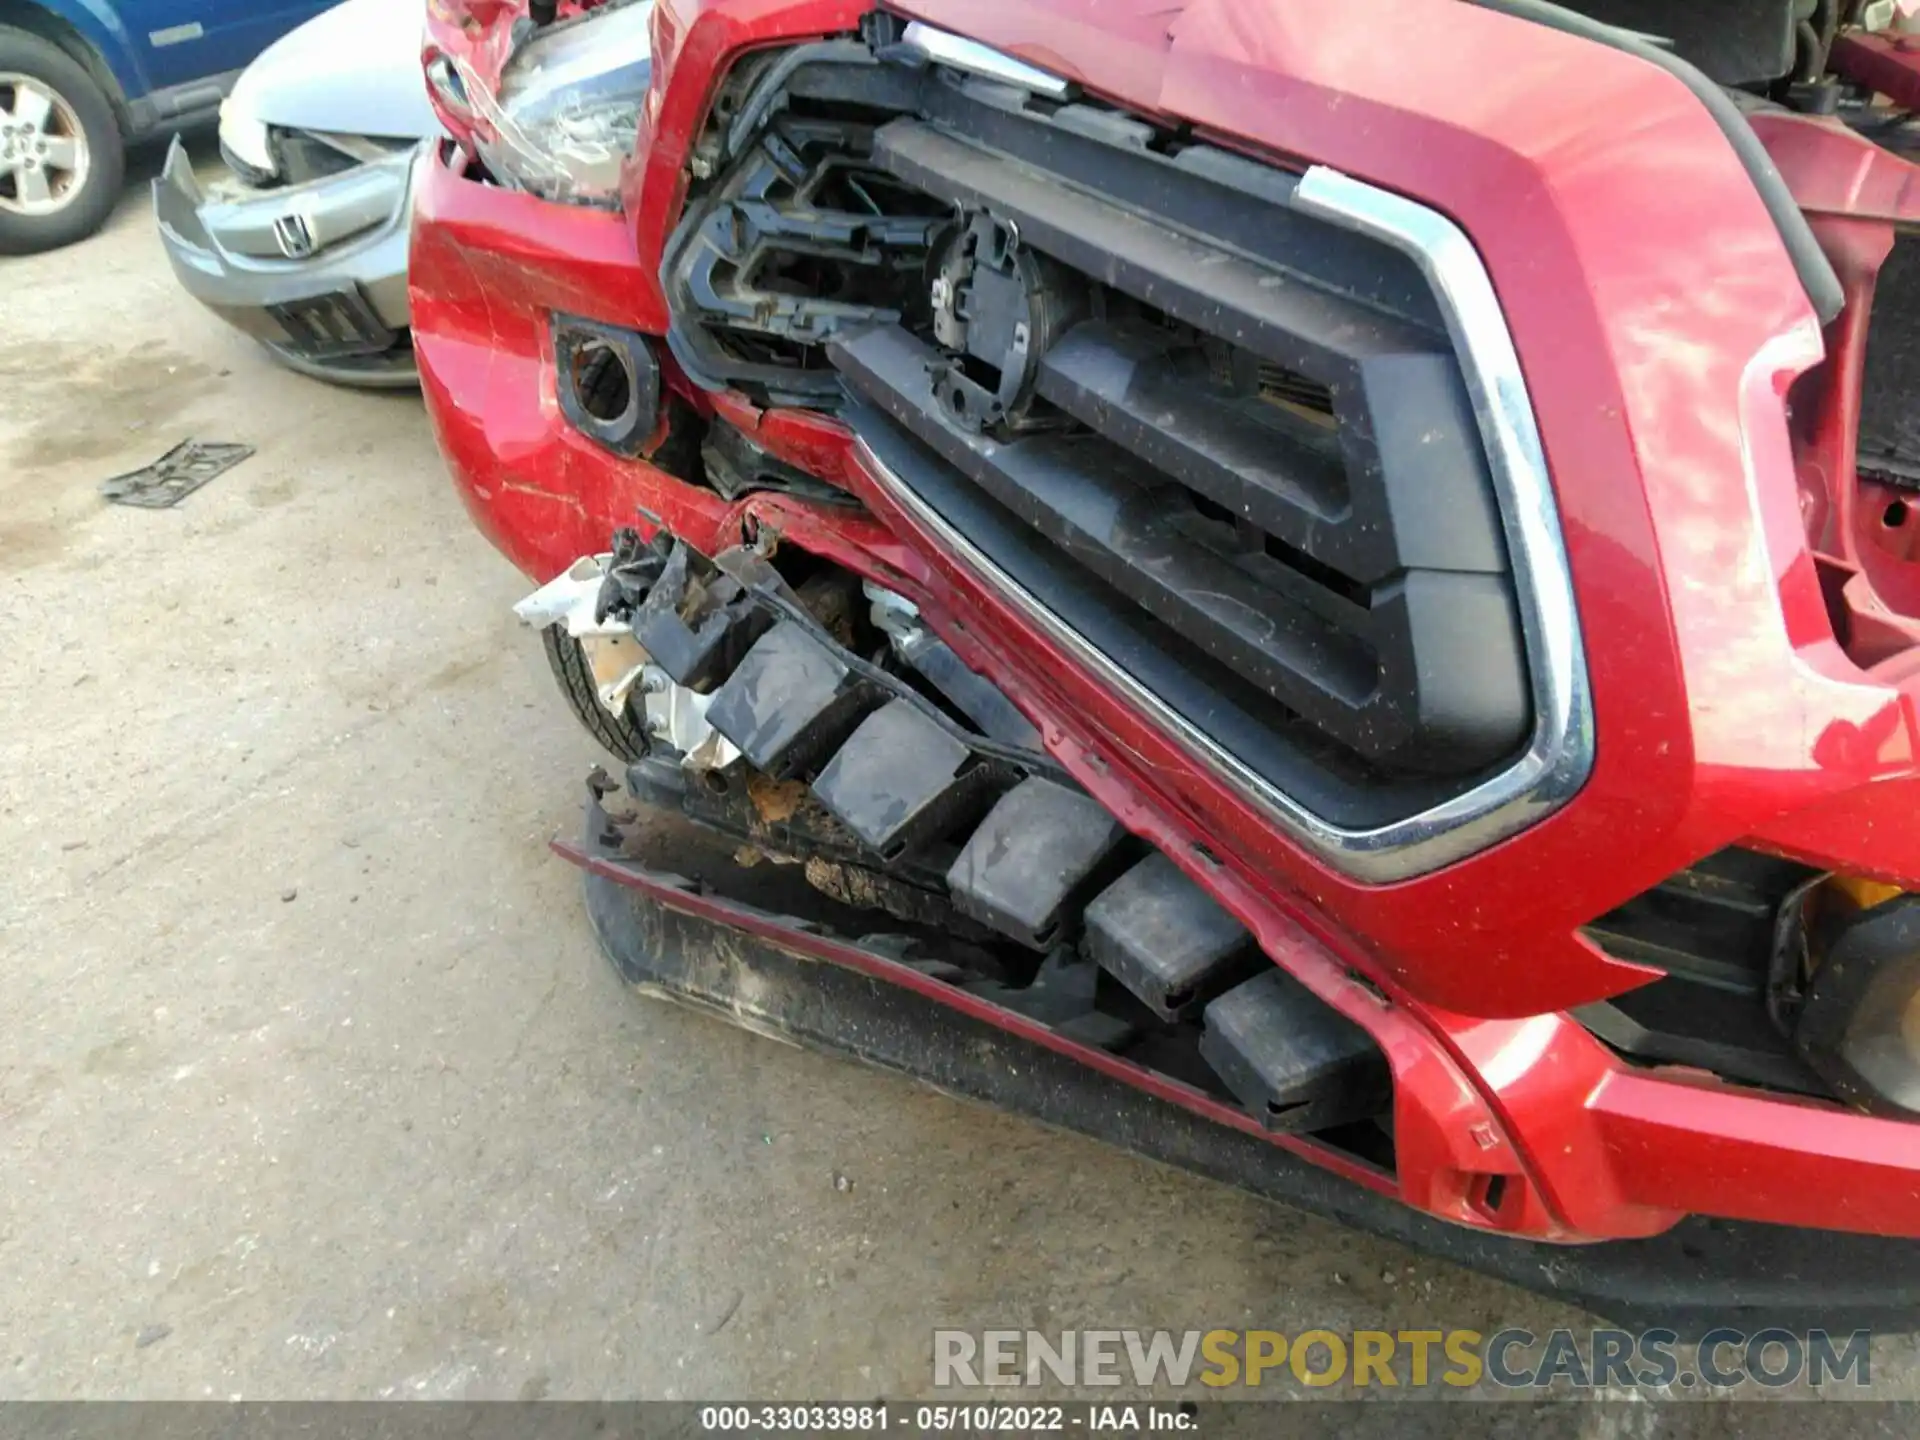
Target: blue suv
<point>79,79</point>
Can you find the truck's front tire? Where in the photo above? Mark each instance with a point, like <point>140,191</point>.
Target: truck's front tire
<point>62,159</point>
<point>618,735</point>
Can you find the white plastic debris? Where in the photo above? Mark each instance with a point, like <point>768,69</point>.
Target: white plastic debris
<point>674,714</point>
<point>572,598</point>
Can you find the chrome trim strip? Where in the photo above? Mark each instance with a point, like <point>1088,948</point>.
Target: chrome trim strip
<point>970,55</point>
<point>1560,755</point>
<point>1560,758</point>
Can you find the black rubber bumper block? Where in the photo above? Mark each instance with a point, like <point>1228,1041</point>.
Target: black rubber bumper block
<point>696,629</point>
<point>1294,1061</point>
<point>1165,939</point>
<point>788,702</point>
<point>901,780</point>
<point>1037,854</point>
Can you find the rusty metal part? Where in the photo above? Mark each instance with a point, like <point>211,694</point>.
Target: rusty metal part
<point>865,889</point>
<point>776,801</point>
<point>781,821</point>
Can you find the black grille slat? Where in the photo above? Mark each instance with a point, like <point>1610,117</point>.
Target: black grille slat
<point>1300,482</point>
<point>1202,188</point>
<point>1423,669</point>
<point>1282,473</point>
<point>1713,929</point>
<point>1889,419</point>
<point>1317,332</point>
<point>334,327</point>
<point>1712,922</point>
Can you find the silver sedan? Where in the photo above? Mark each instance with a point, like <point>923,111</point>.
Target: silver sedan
<point>304,245</point>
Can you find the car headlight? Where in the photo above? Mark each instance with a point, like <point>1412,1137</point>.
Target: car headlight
<point>243,137</point>
<point>567,111</point>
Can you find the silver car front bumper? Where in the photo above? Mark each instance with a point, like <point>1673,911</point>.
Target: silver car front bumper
<point>316,272</point>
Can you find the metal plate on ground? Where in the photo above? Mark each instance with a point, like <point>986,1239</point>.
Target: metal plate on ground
<point>174,476</point>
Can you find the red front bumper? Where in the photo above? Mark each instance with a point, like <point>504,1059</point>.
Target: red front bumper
<point>1725,710</point>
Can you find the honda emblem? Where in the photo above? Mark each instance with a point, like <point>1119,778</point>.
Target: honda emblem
<point>294,236</point>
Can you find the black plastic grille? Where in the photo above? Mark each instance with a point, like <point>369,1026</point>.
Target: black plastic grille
<point>1348,566</point>
<point>1240,434</point>
<point>334,327</point>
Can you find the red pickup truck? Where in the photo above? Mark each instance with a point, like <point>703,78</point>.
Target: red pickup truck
<point>1329,592</point>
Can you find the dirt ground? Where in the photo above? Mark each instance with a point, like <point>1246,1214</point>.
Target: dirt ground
<point>312,1081</point>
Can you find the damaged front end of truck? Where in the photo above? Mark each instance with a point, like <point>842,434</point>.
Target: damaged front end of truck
<point>1247,580</point>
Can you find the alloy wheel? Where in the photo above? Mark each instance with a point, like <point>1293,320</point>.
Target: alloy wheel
<point>44,156</point>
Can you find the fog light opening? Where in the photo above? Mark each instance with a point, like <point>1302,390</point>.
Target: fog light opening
<point>607,381</point>
<point>1859,1022</point>
<point>602,381</point>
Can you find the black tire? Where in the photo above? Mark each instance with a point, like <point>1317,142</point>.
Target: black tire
<point>93,201</point>
<point>617,735</point>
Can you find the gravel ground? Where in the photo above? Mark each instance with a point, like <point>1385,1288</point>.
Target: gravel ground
<point>312,1083</point>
